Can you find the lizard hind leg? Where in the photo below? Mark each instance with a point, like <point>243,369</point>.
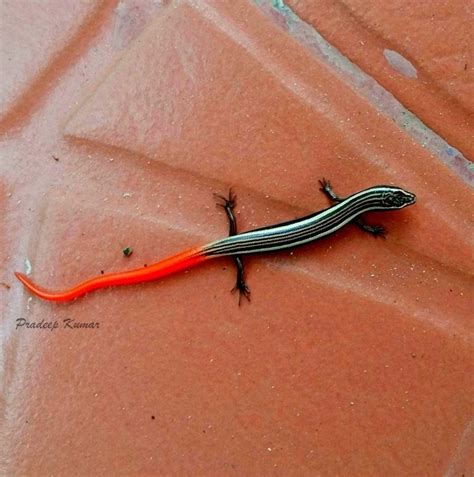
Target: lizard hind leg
<point>240,284</point>
<point>228,204</point>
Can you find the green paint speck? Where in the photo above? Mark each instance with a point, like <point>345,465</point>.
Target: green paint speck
<point>127,251</point>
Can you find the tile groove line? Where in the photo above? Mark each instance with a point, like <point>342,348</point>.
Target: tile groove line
<point>306,94</point>
<point>365,85</point>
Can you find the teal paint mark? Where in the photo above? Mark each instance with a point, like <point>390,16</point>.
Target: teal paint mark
<point>280,5</point>
<point>381,99</point>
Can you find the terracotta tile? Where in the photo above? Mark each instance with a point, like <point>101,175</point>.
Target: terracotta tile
<point>422,55</point>
<point>355,354</point>
<point>33,58</point>
<point>5,278</point>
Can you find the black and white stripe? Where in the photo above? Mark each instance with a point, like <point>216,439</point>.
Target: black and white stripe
<point>314,226</point>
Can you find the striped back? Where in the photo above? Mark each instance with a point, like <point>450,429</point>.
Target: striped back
<point>314,226</point>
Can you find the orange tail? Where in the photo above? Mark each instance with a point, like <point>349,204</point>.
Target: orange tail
<point>168,266</point>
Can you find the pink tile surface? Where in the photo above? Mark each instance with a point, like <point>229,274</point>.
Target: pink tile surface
<point>33,58</point>
<point>354,356</point>
<point>431,72</point>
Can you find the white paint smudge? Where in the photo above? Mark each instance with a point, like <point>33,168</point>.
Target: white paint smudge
<point>28,267</point>
<point>400,64</point>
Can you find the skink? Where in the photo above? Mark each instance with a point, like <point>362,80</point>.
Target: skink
<point>266,239</point>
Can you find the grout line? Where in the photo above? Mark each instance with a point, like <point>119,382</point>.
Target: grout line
<point>370,89</point>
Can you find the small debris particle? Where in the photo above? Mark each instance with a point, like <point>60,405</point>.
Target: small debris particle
<point>153,418</point>
<point>125,195</point>
<point>55,158</point>
<point>145,265</point>
<point>28,267</point>
<point>102,272</point>
<point>5,285</point>
<point>127,251</point>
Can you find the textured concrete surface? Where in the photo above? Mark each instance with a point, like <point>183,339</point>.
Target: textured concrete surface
<point>118,121</point>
